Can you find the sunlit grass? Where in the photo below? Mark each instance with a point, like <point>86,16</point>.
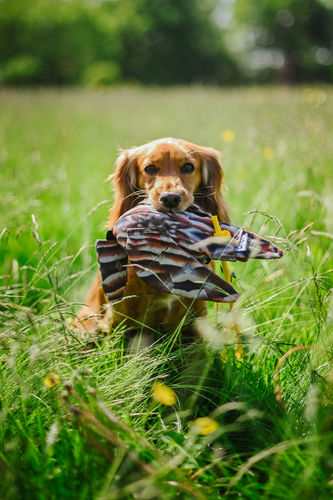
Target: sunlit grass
<point>80,416</point>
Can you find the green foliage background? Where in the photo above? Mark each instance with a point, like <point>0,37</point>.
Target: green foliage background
<point>93,42</point>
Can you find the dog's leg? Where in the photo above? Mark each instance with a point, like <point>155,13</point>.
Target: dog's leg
<point>94,307</point>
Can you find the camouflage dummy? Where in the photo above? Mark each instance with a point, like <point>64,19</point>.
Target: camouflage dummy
<point>170,251</point>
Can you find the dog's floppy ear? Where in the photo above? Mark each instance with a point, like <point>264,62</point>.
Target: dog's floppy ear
<point>209,195</point>
<point>125,178</point>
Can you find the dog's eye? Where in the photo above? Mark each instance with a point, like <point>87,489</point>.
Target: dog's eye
<point>151,169</point>
<point>187,168</point>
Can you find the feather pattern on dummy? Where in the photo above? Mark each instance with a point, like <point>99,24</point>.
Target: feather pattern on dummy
<point>169,252</point>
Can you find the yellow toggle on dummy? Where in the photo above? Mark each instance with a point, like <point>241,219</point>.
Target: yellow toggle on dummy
<point>224,233</point>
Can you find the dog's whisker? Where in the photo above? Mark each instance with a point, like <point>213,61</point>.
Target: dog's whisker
<point>203,195</point>
<point>136,193</point>
<point>138,197</point>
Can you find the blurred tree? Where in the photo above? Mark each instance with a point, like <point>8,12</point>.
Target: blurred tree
<point>173,41</point>
<point>101,42</point>
<point>289,40</point>
<point>59,38</point>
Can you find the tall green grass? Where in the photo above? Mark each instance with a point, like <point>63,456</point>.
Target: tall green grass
<point>98,433</point>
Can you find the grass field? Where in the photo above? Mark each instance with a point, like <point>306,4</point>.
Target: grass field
<point>91,429</point>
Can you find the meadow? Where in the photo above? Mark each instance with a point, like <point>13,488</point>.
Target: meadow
<point>78,419</point>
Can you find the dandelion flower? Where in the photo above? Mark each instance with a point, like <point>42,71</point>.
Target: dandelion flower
<point>228,135</point>
<point>164,394</point>
<point>268,153</point>
<point>309,95</point>
<point>205,426</point>
<point>51,380</point>
<point>316,97</point>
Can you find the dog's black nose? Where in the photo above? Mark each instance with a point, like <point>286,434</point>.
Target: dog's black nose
<point>170,200</point>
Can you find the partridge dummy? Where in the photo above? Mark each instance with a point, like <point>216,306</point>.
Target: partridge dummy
<point>170,251</point>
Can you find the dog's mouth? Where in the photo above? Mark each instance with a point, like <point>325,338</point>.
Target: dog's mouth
<point>169,210</point>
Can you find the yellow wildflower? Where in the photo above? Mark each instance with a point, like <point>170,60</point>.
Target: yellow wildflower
<point>228,135</point>
<point>51,380</point>
<point>205,426</point>
<point>309,95</point>
<point>268,153</point>
<point>163,394</point>
<point>316,97</point>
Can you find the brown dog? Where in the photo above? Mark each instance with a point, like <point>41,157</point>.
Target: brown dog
<point>172,174</point>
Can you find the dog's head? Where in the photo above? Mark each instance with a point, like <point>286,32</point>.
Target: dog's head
<point>172,174</point>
